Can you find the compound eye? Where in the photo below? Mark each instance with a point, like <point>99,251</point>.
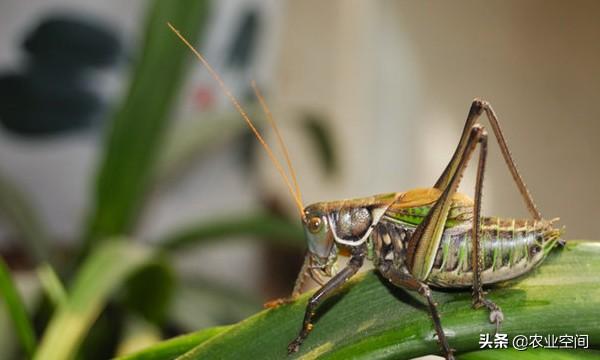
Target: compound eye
<point>315,224</point>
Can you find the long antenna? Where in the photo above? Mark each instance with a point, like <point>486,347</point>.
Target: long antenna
<point>282,146</point>
<point>244,115</point>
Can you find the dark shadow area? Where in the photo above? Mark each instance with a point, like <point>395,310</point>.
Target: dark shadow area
<point>54,90</point>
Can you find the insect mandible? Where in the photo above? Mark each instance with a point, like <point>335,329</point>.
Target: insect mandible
<point>413,238</point>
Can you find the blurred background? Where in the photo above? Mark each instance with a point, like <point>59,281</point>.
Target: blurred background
<point>109,128</point>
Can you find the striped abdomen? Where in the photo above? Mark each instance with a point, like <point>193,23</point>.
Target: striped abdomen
<point>510,247</point>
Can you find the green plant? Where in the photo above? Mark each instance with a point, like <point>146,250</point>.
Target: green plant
<point>119,291</point>
<point>115,290</point>
<point>373,320</point>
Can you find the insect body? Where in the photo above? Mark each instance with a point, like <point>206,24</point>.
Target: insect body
<point>432,236</point>
<point>510,247</point>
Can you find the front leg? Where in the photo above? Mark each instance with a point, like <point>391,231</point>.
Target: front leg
<point>355,263</point>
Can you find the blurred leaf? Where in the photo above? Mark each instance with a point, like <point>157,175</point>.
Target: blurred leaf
<point>139,334</point>
<point>104,335</point>
<point>192,138</point>
<point>533,354</point>
<point>15,207</point>
<point>200,303</point>
<point>51,284</point>
<point>372,319</point>
<point>101,273</point>
<point>174,347</point>
<point>149,291</point>
<point>9,340</point>
<point>265,226</point>
<point>136,135</point>
<point>17,310</point>
<point>321,138</point>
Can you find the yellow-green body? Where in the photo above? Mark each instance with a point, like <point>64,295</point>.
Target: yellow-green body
<point>511,247</point>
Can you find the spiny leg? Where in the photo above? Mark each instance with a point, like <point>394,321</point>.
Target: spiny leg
<point>405,280</point>
<point>355,263</point>
<point>477,108</point>
<point>475,112</point>
<point>424,242</point>
<point>479,300</point>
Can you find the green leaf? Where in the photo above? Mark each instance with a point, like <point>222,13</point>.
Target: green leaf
<point>174,347</point>
<point>17,310</point>
<point>149,292</point>
<point>51,284</point>
<point>138,334</point>
<point>266,226</point>
<point>15,207</point>
<point>190,139</point>
<point>533,354</point>
<point>136,134</point>
<point>101,273</point>
<point>203,302</point>
<point>371,319</point>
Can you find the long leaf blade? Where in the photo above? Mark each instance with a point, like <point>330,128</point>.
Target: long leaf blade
<point>266,226</point>
<point>174,347</point>
<point>15,207</point>
<point>532,354</point>
<point>373,320</point>
<point>136,135</point>
<point>106,268</point>
<point>17,310</point>
<point>51,284</point>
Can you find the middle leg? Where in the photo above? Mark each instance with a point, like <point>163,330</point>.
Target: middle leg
<point>406,280</point>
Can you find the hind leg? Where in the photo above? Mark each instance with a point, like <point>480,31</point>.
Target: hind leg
<point>478,107</point>
<point>496,315</point>
<point>425,241</point>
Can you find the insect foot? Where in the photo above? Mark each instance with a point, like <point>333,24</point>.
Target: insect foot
<point>496,314</point>
<point>275,303</point>
<point>497,317</point>
<point>294,346</point>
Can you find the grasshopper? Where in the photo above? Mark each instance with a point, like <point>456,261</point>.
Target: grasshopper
<point>421,238</point>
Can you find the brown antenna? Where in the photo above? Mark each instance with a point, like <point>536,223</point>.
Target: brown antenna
<point>245,116</point>
<point>282,146</point>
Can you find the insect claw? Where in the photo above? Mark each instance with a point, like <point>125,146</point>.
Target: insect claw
<point>562,242</point>
<point>294,346</point>
<point>496,316</point>
<point>450,355</point>
<point>275,303</point>
<point>272,304</point>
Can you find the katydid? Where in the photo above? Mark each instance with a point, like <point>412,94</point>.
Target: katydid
<point>418,238</point>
